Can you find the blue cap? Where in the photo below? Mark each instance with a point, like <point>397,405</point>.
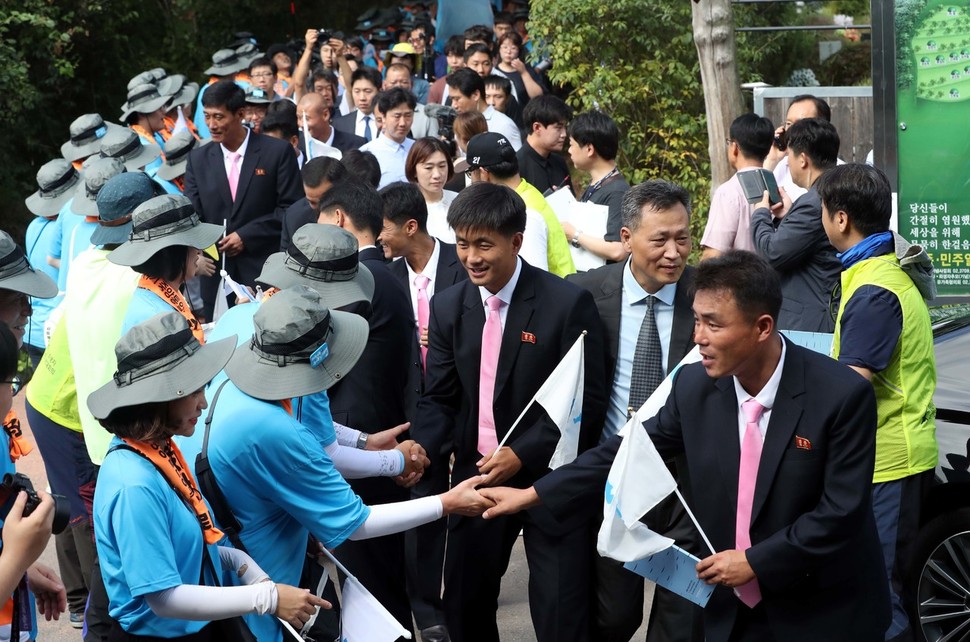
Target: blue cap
<point>117,199</point>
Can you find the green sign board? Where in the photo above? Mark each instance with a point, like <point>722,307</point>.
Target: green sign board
<point>933,134</point>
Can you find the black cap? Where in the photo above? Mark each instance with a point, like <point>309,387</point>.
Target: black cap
<point>488,149</point>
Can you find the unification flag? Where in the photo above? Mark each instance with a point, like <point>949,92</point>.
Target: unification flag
<point>364,619</point>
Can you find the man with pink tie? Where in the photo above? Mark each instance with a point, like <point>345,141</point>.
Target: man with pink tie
<point>492,342</point>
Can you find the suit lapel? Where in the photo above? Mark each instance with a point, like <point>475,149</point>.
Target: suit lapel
<point>249,164</point>
<point>218,162</point>
<point>785,415</point>
<point>726,439</point>
<point>449,268</point>
<point>520,313</point>
<point>472,325</point>
<point>610,302</point>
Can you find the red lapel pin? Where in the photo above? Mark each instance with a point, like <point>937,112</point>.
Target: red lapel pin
<point>802,443</point>
<point>260,172</point>
<point>528,337</point>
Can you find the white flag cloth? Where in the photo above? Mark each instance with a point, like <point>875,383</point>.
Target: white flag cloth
<point>313,148</point>
<point>562,397</point>
<point>637,482</point>
<point>363,619</point>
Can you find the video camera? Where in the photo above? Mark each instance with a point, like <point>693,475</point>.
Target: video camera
<point>11,487</point>
<point>445,115</point>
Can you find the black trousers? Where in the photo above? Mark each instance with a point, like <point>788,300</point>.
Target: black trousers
<point>424,550</point>
<point>559,577</point>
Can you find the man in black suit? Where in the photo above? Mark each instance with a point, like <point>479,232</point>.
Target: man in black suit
<point>426,266</point>
<point>319,176</point>
<point>365,83</point>
<point>774,432</point>
<point>244,181</point>
<point>319,125</point>
<point>481,373</point>
<point>371,397</point>
<point>656,233</point>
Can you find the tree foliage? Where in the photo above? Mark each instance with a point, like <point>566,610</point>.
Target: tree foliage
<point>635,60</point>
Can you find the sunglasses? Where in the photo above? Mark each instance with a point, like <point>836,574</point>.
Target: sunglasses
<point>16,383</point>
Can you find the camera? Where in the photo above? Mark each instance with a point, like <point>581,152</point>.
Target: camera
<point>781,141</point>
<point>324,35</point>
<point>543,65</point>
<point>11,487</point>
<point>445,115</point>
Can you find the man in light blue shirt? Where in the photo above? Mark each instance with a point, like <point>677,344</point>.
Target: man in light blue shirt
<point>655,280</point>
<point>391,147</point>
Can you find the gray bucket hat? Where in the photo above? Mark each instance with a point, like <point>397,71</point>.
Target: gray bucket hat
<point>143,99</point>
<point>226,62</point>
<point>256,96</point>
<point>248,52</point>
<point>299,347</point>
<point>178,89</point>
<point>177,150</point>
<point>117,199</point>
<point>323,257</point>
<point>56,181</point>
<point>17,275</point>
<point>164,221</point>
<point>86,133</point>
<point>159,360</point>
<point>127,145</point>
<point>94,175</point>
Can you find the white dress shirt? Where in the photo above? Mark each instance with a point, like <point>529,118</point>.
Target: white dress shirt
<point>430,271</point>
<point>391,156</point>
<point>359,127</point>
<point>241,151</point>
<point>438,217</point>
<point>502,124</point>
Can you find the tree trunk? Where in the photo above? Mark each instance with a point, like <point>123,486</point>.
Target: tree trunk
<point>713,23</point>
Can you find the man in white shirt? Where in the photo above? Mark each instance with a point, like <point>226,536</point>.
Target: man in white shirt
<point>467,92</point>
<point>365,82</point>
<point>399,75</point>
<point>803,106</point>
<point>391,147</point>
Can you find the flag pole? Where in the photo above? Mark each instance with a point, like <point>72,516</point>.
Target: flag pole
<point>582,336</point>
<point>694,519</point>
<point>306,137</point>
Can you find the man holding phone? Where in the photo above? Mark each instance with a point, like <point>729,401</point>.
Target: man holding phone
<point>729,220</point>
<point>790,235</point>
<point>802,106</point>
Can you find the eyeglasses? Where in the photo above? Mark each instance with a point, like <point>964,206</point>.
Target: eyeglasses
<point>262,74</point>
<point>729,141</point>
<point>418,38</point>
<point>16,383</point>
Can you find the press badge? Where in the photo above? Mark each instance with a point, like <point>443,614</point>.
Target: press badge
<point>319,355</point>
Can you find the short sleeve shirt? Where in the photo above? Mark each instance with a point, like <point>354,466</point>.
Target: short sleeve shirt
<point>610,193</point>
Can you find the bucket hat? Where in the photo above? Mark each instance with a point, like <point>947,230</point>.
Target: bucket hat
<point>143,99</point>
<point>226,62</point>
<point>256,96</point>
<point>177,150</point>
<point>93,178</point>
<point>323,257</point>
<point>56,181</point>
<point>299,347</point>
<point>248,52</point>
<point>127,145</point>
<point>117,199</point>
<point>159,360</point>
<point>17,275</point>
<point>178,89</point>
<point>160,222</point>
<point>86,133</point>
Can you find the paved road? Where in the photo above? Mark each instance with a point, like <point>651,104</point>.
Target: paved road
<point>514,622</point>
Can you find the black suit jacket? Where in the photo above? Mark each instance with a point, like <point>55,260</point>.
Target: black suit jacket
<point>543,307</point>
<point>346,124</point>
<point>814,545</point>
<point>269,182</point>
<point>606,285</point>
<point>448,272</point>
<point>371,396</point>
<point>296,216</point>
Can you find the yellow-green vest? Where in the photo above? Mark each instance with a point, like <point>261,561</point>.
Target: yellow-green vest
<point>906,430</point>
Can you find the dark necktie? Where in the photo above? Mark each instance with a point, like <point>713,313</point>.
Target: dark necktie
<point>367,135</point>
<point>647,360</point>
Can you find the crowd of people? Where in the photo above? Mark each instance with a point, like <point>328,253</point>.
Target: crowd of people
<point>299,308</point>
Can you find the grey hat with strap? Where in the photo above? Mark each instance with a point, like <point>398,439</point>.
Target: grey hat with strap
<point>159,360</point>
<point>125,144</point>
<point>226,62</point>
<point>94,175</point>
<point>323,257</point>
<point>177,150</point>
<point>160,222</point>
<point>56,181</point>
<point>17,275</point>
<point>143,99</point>
<point>86,133</point>
<point>299,347</point>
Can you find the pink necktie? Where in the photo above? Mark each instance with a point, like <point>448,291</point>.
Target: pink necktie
<point>749,593</point>
<point>424,312</point>
<point>491,344</point>
<point>233,173</point>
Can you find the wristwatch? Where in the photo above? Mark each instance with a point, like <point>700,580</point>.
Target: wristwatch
<point>575,241</point>
<point>362,440</point>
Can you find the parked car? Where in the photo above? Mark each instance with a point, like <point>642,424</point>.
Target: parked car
<point>940,571</point>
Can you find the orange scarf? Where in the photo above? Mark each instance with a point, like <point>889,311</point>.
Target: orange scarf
<point>145,134</point>
<point>19,446</point>
<point>175,299</point>
<point>170,127</point>
<point>169,461</point>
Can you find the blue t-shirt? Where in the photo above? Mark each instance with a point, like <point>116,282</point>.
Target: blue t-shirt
<point>313,411</point>
<point>279,484</point>
<point>39,241</point>
<point>144,305</point>
<point>148,540</point>
<point>66,241</point>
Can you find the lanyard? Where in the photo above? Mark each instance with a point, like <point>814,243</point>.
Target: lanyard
<point>588,194</point>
